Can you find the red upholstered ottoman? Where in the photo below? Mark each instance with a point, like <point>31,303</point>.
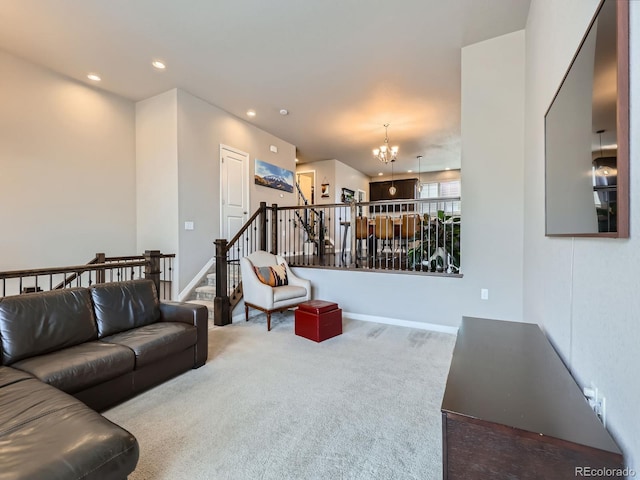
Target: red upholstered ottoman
<point>318,320</point>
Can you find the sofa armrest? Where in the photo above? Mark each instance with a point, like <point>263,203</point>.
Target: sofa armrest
<point>196,315</point>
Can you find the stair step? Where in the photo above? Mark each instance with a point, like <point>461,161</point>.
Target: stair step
<point>208,304</point>
<point>211,279</point>
<point>206,292</point>
<point>206,289</point>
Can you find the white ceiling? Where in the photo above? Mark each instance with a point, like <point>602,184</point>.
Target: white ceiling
<point>342,68</point>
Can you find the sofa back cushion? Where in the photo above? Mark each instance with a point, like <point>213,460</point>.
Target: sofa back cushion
<point>39,323</point>
<point>121,306</point>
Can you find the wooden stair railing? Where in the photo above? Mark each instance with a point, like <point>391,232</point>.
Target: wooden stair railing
<point>149,264</point>
<point>228,253</point>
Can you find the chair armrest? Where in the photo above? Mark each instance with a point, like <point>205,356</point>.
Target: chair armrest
<point>253,290</point>
<point>297,281</point>
<point>196,315</point>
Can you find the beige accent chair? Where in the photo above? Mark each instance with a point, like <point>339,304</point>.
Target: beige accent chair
<point>264,297</point>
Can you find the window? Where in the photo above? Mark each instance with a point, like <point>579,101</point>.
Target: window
<point>448,189</point>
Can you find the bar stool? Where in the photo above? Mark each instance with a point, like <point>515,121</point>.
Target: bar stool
<point>362,233</point>
<point>384,231</point>
<point>409,228</point>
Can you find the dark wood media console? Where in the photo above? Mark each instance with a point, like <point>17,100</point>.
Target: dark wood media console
<point>511,410</point>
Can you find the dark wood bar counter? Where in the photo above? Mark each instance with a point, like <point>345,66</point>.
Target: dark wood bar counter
<point>511,410</point>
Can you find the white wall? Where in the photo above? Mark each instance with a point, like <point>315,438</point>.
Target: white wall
<point>67,169</point>
<point>348,177</point>
<point>582,291</point>
<point>338,175</point>
<point>182,134</point>
<point>157,173</point>
<point>492,174</point>
<point>325,173</point>
<point>492,154</point>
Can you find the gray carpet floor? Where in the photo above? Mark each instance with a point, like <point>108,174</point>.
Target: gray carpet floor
<point>272,405</point>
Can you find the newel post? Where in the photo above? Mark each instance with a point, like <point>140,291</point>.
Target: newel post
<point>321,244</point>
<point>354,241</point>
<point>152,268</point>
<point>221,304</point>
<point>274,228</point>
<point>263,226</point>
<point>100,274</point>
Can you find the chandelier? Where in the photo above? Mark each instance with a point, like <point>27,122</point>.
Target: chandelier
<point>385,153</point>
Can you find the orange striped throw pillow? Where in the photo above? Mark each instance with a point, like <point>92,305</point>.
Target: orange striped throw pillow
<point>274,276</point>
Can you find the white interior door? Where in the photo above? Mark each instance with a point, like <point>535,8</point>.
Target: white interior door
<point>234,190</point>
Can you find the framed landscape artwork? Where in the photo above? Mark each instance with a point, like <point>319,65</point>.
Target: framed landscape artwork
<point>272,176</point>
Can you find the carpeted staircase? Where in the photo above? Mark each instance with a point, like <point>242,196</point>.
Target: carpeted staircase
<point>205,292</point>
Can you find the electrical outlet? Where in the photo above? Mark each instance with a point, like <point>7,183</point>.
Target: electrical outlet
<point>601,410</point>
<point>484,294</point>
<point>597,403</point>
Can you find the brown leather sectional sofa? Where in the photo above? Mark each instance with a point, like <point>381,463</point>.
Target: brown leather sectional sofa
<point>101,345</point>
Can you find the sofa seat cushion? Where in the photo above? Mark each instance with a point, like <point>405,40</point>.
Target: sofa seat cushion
<point>156,341</point>
<point>47,434</point>
<point>82,366</point>
<point>288,292</point>
<point>10,376</point>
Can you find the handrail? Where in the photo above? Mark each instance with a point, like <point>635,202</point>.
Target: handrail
<point>136,257</point>
<point>153,265</point>
<point>122,261</point>
<point>71,278</point>
<point>244,228</point>
<point>52,271</point>
<point>373,203</point>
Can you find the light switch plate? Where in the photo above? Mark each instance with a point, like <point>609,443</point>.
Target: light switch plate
<point>188,225</point>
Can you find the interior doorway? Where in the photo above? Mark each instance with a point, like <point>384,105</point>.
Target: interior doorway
<point>234,190</point>
<point>307,182</point>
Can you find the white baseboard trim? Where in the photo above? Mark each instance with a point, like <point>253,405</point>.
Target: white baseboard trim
<point>401,323</point>
<point>373,319</point>
<point>182,296</point>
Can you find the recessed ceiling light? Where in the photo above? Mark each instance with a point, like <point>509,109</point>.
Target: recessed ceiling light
<point>380,174</point>
<point>284,111</point>
<point>158,64</point>
<point>251,113</point>
<point>94,77</point>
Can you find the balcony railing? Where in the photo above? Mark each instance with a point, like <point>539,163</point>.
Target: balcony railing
<point>152,264</point>
<point>418,235</point>
<point>405,236</point>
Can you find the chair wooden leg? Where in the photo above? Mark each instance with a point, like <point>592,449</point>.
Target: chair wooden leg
<point>268,321</point>
<point>246,313</point>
